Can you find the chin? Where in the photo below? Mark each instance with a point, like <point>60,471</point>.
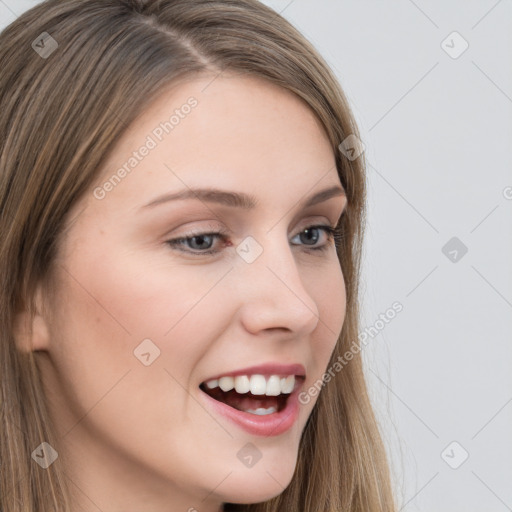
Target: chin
<point>256,485</point>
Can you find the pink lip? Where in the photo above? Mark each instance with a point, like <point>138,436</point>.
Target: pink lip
<point>270,425</point>
<point>266,370</point>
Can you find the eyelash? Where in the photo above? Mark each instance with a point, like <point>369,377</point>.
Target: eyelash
<point>332,233</point>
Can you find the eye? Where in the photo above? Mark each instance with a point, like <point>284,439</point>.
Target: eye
<point>201,243</point>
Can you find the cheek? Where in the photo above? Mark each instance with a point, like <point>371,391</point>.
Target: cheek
<point>333,299</point>
<point>103,317</point>
<point>330,297</point>
<point>116,309</point>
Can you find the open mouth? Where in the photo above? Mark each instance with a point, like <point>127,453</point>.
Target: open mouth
<point>247,402</point>
<point>254,394</point>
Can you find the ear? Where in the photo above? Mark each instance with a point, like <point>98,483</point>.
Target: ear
<point>31,333</point>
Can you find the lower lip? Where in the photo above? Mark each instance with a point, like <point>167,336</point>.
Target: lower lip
<point>267,425</point>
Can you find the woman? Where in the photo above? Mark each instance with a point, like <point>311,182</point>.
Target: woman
<point>142,370</point>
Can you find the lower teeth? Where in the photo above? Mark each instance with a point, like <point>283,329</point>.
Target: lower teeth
<point>261,411</point>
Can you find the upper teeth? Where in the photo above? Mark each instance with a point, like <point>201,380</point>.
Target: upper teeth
<point>256,384</point>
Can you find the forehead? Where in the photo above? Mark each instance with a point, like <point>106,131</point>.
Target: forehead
<point>233,132</point>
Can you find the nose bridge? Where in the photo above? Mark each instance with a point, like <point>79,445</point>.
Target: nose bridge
<point>275,292</point>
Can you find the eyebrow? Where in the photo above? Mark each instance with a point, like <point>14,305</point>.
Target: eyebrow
<point>237,199</point>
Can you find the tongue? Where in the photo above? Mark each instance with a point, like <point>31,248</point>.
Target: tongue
<point>247,400</point>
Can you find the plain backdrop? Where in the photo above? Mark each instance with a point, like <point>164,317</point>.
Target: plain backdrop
<point>430,85</point>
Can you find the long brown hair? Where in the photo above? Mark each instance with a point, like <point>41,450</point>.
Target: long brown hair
<point>75,74</point>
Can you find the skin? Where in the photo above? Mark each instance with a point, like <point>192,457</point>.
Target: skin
<point>136,437</point>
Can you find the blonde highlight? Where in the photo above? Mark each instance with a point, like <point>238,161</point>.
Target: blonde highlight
<point>119,55</point>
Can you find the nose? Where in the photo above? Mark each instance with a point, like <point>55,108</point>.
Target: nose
<point>273,293</point>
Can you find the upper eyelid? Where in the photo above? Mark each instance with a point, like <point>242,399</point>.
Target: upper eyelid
<point>324,209</point>
<point>214,226</point>
<point>222,231</point>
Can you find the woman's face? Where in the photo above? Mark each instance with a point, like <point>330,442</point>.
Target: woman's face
<point>139,325</point>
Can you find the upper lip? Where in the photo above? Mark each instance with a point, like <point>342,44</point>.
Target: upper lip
<point>267,369</point>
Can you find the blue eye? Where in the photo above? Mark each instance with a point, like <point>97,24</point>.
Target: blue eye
<point>202,241</point>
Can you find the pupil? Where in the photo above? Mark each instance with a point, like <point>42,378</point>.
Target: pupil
<point>309,232</point>
<point>201,238</point>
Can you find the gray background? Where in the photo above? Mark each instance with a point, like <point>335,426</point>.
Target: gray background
<point>437,130</point>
